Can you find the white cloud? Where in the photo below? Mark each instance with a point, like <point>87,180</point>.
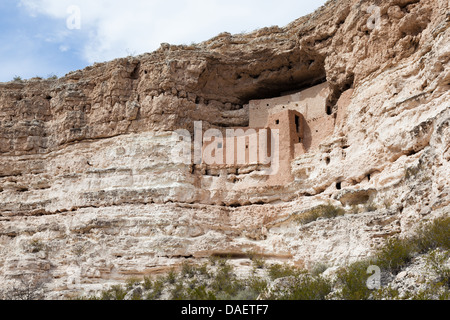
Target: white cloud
<point>114,28</point>
<point>64,48</point>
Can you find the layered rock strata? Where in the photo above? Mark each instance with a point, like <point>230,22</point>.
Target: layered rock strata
<point>89,193</point>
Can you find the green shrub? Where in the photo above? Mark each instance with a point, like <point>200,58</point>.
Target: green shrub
<point>188,270</point>
<point>217,260</point>
<point>178,292</point>
<point>200,293</point>
<point>432,292</point>
<point>353,281</point>
<point>88,298</point>
<point>221,283</point>
<point>386,293</point>
<point>157,289</point>
<point>258,263</point>
<point>308,217</point>
<point>395,254</point>
<point>255,286</point>
<point>327,211</point>
<point>203,270</point>
<point>310,288</point>
<point>131,282</point>
<point>116,292</point>
<point>435,235</point>
<point>281,271</point>
<point>148,283</point>
<point>330,211</point>
<point>318,269</point>
<point>136,296</point>
<point>171,277</point>
<point>224,282</point>
<point>436,262</point>
<point>302,286</point>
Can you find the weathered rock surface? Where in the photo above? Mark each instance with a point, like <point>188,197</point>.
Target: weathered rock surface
<point>90,195</point>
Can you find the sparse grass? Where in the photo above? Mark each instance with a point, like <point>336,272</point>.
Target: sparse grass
<point>132,282</point>
<point>200,293</point>
<point>277,271</point>
<point>395,254</point>
<point>218,280</point>
<point>386,293</point>
<point>435,235</point>
<point>387,203</point>
<point>256,286</point>
<point>308,288</point>
<point>258,263</point>
<point>79,250</point>
<point>157,289</point>
<point>116,292</point>
<point>178,292</point>
<point>34,246</point>
<point>26,288</point>
<point>17,79</point>
<point>327,211</point>
<point>412,171</point>
<point>434,291</point>
<point>171,277</point>
<point>202,270</point>
<point>318,269</point>
<point>216,260</point>
<point>148,283</point>
<point>188,270</point>
<point>370,207</point>
<point>436,261</point>
<point>355,209</point>
<point>398,252</point>
<point>224,281</point>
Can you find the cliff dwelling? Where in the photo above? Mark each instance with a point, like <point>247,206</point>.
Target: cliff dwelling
<point>282,128</point>
<point>151,176</point>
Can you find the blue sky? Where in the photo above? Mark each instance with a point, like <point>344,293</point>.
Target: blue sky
<point>53,37</point>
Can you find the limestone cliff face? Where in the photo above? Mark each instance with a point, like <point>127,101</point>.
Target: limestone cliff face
<point>89,193</point>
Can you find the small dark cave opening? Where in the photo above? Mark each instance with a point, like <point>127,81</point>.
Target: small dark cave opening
<point>329,110</point>
<point>136,71</point>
